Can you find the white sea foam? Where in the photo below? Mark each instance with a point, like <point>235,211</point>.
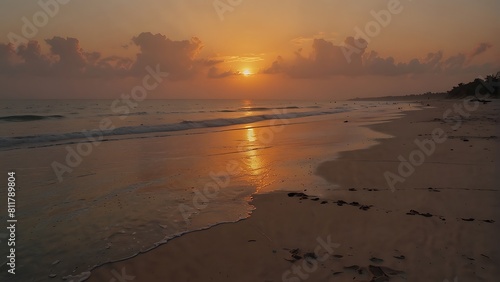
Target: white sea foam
<point>43,139</point>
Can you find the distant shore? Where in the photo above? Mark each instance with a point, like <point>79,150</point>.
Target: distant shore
<point>414,97</point>
<point>440,223</point>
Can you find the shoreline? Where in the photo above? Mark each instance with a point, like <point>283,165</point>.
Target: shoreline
<point>281,228</point>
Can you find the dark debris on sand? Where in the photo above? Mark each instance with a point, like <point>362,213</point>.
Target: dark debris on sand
<point>414,212</point>
<point>352,267</point>
<point>376,260</point>
<point>340,203</point>
<point>298,194</point>
<point>378,273</point>
<point>365,207</point>
<point>297,255</point>
<point>430,189</point>
<point>294,253</point>
<point>354,204</point>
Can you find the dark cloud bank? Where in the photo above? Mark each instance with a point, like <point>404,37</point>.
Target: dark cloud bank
<point>351,58</point>
<point>67,70</point>
<point>66,58</point>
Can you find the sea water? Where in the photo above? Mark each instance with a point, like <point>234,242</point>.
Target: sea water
<point>99,183</point>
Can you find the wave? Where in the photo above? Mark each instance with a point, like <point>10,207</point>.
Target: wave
<point>129,114</point>
<point>23,118</point>
<point>244,109</point>
<point>263,109</point>
<point>258,109</point>
<point>7,142</point>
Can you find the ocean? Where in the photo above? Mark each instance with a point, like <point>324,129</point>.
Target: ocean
<point>104,180</point>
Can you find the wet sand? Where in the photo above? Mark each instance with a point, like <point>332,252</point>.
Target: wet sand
<point>441,223</point>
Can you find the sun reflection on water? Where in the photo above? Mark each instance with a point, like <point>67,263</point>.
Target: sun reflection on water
<point>251,137</point>
<point>253,159</point>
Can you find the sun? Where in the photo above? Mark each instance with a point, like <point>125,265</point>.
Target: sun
<point>246,72</point>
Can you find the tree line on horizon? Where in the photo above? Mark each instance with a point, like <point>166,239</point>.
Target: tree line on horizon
<point>479,88</point>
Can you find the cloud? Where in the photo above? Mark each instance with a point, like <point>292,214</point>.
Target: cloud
<point>214,72</point>
<point>324,60</point>
<point>175,57</point>
<point>26,59</point>
<point>241,59</point>
<point>480,48</point>
<point>277,66</point>
<point>34,61</point>
<point>116,63</point>
<point>209,62</point>
<point>303,40</point>
<point>351,59</point>
<point>454,63</point>
<point>68,58</point>
<point>71,57</point>
<point>7,57</point>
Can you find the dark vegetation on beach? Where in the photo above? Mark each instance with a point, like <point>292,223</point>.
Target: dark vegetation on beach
<point>479,89</point>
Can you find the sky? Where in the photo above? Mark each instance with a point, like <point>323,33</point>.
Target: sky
<point>244,49</point>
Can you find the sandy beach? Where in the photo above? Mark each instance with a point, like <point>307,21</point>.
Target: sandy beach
<point>258,141</point>
<point>440,223</point>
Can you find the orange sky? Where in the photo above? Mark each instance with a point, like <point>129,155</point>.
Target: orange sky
<point>325,49</point>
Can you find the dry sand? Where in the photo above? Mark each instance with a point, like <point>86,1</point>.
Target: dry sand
<point>441,223</point>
